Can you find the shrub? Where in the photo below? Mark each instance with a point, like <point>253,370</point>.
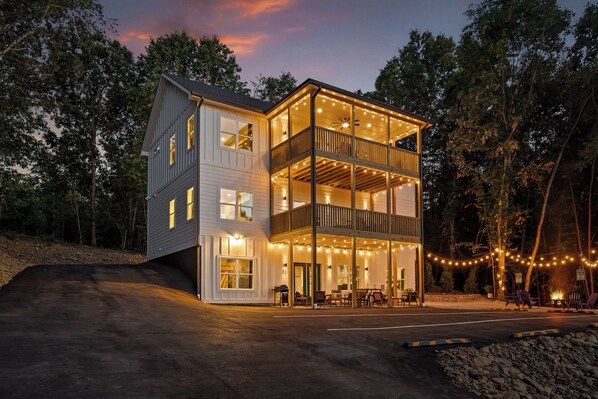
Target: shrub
<point>447,282</point>
<point>429,280</point>
<point>471,284</point>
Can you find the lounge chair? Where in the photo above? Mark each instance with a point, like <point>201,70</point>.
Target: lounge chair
<point>592,301</point>
<point>574,300</point>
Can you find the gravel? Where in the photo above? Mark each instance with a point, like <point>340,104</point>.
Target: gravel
<point>545,367</point>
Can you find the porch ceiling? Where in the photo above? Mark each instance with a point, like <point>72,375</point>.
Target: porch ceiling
<point>338,174</point>
<point>344,242</point>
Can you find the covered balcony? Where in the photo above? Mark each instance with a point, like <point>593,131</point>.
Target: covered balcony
<point>348,270</point>
<point>347,132</point>
<point>351,200</point>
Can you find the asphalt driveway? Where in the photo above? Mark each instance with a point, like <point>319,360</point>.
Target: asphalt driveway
<point>111,331</point>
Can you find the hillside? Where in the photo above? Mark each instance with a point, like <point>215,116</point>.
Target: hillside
<point>19,253</point>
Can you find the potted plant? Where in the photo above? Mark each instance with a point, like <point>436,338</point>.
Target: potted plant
<point>489,291</point>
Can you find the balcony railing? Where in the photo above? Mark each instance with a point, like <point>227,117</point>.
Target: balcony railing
<point>339,217</point>
<point>337,143</point>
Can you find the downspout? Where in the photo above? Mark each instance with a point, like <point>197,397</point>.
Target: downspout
<point>196,195</point>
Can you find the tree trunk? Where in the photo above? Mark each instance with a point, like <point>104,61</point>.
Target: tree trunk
<point>530,269</point>
<point>592,177</point>
<point>92,197</point>
<point>77,219</point>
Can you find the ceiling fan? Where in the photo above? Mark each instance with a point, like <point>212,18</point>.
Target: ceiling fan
<point>344,122</point>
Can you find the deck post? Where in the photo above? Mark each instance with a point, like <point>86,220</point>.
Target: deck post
<point>314,205</point>
<point>353,271</point>
<point>421,219</point>
<point>291,274</point>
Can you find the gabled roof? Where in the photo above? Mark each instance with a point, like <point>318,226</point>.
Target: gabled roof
<point>220,95</point>
<point>347,93</point>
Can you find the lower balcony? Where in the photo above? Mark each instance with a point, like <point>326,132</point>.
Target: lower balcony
<point>339,220</point>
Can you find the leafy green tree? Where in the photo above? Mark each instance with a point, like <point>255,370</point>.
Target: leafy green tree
<point>26,33</point>
<point>507,53</point>
<point>418,80</point>
<point>447,282</point>
<point>88,105</point>
<point>273,89</point>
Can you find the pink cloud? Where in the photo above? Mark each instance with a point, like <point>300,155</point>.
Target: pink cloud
<point>251,8</point>
<point>132,36</point>
<point>243,44</point>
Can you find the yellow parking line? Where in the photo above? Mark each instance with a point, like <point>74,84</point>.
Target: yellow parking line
<point>524,334</point>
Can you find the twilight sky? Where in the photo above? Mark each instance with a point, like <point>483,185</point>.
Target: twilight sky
<point>341,42</point>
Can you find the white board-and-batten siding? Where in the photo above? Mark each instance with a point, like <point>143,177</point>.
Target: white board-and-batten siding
<point>166,182</point>
<point>241,171</point>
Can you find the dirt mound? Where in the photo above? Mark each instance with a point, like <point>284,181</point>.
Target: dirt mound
<point>19,253</point>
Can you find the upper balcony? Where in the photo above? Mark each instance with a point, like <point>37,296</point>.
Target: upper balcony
<point>346,130</point>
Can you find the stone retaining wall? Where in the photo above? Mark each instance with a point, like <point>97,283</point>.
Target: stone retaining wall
<point>454,297</point>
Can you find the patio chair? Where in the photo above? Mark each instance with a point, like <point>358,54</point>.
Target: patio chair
<point>377,298</point>
<point>300,300</point>
<point>320,297</point>
<point>574,300</point>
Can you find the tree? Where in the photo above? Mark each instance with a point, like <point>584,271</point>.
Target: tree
<point>447,282</point>
<point>507,53</point>
<point>471,283</point>
<point>429,280</point>
<point>418,80</point>
<point>26,32</point>
<point>272,89</point>
<point>88,104</point>
<point>207,60</point>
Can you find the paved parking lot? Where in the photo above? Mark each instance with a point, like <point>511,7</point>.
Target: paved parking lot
<point>91,331</point>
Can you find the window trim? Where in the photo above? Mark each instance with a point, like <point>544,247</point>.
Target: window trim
<point>237,205</point>
<point>172,214</point>
<point>172,149</point>
<point>237,258</point>
<point>191,205</point>
<point>236,134</point>
<point>191,132</point>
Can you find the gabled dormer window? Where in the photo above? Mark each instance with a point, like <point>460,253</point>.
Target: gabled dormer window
<point>191,132</point>
<point>172,150</point>
<point>236,135</point>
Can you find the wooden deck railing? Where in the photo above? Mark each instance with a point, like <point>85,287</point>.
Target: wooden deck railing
<point>370,151</point>
<point>342,144</point>
<point>301,143</point>
<point>331,141</point>
<point>404,160</point>
<point>405,226</point>
<point>339,217</point>
<point>301,217</point>
<point>280,223</point>
<point>375,222</point>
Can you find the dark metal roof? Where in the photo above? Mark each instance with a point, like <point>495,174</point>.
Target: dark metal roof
<point>253,104</point>
<point>221,95</point>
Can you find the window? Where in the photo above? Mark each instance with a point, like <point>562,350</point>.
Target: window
<point>191,132</point>
<point>236,205</point>
<point>172,149</point>
<point>236,273</point>
<point>236,135</point>
<point>171,214</point>
<point>190,204</point>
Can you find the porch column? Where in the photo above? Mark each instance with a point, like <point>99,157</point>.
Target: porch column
<point>420,203</point>
<point>353,271</point>
<point>389,229</point>
<point>291,274</point>
<point>314,204</point>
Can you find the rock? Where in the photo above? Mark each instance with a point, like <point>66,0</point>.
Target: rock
<point>498,380</point>
<point>510,395</point>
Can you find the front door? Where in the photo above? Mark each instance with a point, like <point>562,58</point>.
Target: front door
<point>303,278</point>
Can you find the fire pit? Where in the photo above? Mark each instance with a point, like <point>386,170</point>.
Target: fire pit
<point>557,299</point>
